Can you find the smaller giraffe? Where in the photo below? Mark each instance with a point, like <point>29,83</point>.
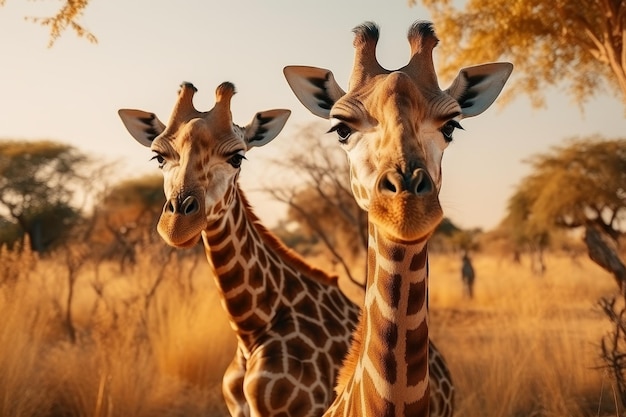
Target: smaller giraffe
<point>293,324</point>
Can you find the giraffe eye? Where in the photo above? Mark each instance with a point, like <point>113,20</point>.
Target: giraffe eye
<point>343,132</point>
<point>159,158</point>
<point>236,160</point>
<point>448,129</point>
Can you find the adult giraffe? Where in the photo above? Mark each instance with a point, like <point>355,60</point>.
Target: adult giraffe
<point>293,324</point>
<point>301,331</point>
<point>394,126</point>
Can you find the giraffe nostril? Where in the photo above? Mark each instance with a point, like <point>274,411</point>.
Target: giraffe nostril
<point>418,182</point>
<point>390,183</point>
<point>421,182</point>
<point>190,206</point>
<point>170,206</point>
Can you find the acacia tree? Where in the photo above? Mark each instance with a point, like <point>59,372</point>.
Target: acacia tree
<point>579,185</point>
<point>580,43</point>
<point>126,216</point>
<point>40,183</point>
<point>66,17</point>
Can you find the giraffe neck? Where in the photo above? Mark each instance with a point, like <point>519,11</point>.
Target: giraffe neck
<point>390,359</point>
<point>251,268</point>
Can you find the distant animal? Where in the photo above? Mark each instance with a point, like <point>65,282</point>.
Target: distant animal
<point>468,276</point>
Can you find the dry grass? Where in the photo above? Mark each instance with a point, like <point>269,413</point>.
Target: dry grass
<point>22,337</point>
<point>524,346</point>
<point>134,355</point>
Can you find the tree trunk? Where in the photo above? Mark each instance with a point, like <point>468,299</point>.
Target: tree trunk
<point>603,251</point>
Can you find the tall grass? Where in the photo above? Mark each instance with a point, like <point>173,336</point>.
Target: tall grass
<point>23,392</point>
<point>137,352</point>
<point>154,341</point>
<point>525,345</point>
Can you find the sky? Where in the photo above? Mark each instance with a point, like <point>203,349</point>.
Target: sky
<point>146,48</point>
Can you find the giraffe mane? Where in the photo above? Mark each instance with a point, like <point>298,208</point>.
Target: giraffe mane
<point>351,359</point>
<point>292,258</point>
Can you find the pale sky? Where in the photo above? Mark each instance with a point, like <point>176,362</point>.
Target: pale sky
<point>72,91</point>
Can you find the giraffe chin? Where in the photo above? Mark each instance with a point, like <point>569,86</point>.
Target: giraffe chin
<point>185,244</point>
<point>180,235</point>
<point>406,217</point>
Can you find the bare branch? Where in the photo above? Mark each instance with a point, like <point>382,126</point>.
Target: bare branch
<point>312,222</point>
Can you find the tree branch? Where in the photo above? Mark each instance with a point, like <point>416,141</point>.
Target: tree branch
<point>314,225</point>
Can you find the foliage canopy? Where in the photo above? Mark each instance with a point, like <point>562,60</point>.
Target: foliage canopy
<point>576,184</point>
<point>581,184</point>
<point>130,207</point>
<point>39,181</point>
<point>578,43</point>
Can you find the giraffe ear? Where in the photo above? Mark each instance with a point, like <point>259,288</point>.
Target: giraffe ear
<point>265,126</point>
<point>143,126</point>
<point>476,88</point>
<point>316,88</point>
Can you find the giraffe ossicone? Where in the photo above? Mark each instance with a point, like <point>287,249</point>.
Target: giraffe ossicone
<point>395,126</point>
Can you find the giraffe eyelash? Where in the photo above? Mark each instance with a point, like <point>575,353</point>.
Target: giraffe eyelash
<point>343,131</point>
<point>448,129</point>
<point>159,158</point>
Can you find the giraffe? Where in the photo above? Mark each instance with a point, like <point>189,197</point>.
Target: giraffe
<point>235,216</point>
<point>292,323</point>
<point>394,126</point>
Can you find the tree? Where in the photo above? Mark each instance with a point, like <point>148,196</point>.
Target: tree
<point>134,201</point>
<point>579,185</point>
<point>126,216</point>
<point>578,42</point>
<point>67,17</point>
<point>525,230</point>
<point>444,238</point>
<point>40,183</point>
<point>320,199</point>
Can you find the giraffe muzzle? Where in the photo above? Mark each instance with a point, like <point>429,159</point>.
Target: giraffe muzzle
<point>405,206</point>
<point>182,221</point>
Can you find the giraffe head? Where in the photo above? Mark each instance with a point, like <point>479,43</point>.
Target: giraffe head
<point>200,155</point>
<point>395,125</point>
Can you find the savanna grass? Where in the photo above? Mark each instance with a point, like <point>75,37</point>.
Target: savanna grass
<point>154,341</point>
